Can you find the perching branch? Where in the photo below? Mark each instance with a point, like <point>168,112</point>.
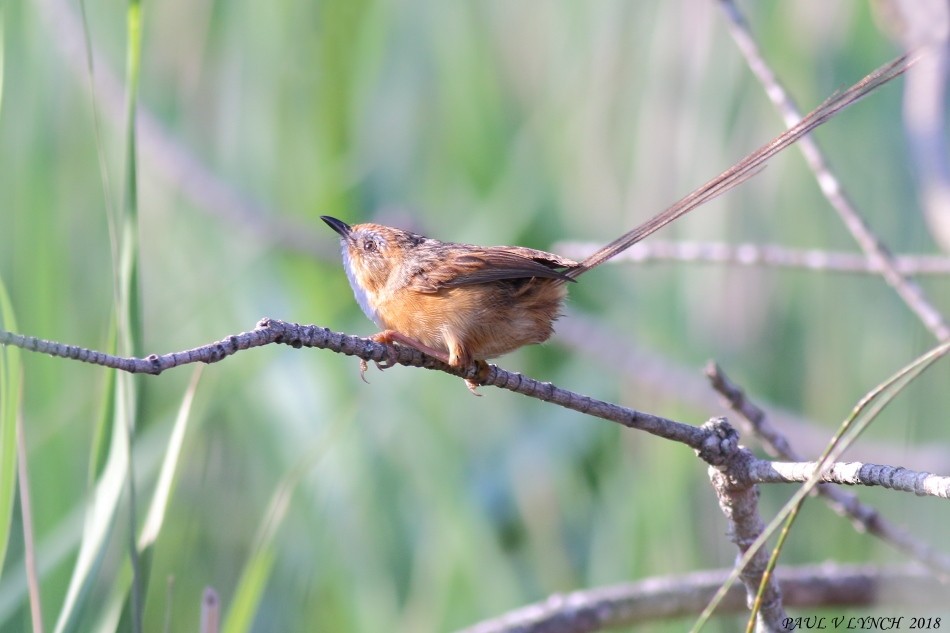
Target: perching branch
<point>270,331</point>
<point>712,447</point>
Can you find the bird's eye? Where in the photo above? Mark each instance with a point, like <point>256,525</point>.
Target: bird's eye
<point>369,245</point>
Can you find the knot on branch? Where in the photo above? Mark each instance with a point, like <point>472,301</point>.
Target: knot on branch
<point>155,362</point>
<point>721,443</point>
<point>281,332</point>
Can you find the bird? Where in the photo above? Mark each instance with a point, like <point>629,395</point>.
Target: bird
<point>463,304</point>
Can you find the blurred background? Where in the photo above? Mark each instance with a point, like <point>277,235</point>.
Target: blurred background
<point>406,504</point>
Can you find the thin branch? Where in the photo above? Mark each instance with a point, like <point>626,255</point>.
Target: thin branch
<point>852,473</point>
<point>659,379</point>
<point>661,599</point>
<point>709,442</point>
<point>736,481</point>
<point>748,254</point>
<point>270,331</point>
<point>776,444</point>
<point>863,517</point>
<point>912,294</point>
<point>739,502</point>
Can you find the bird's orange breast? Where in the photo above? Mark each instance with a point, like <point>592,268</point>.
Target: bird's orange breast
<point>476,322</point>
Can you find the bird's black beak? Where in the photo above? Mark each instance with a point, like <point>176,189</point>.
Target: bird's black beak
<point>339,226</point>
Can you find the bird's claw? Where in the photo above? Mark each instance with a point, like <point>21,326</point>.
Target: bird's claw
<point>481,373</point>
<point>392,359</point>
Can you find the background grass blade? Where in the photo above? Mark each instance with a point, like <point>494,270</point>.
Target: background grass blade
<point>117,615</point>
<point>99,522</point>
<point>118,474</point>
<point>11,372</point>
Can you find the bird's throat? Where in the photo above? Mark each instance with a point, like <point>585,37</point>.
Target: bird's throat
<point>358,291</point>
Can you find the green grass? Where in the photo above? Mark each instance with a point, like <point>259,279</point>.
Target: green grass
<point>312,501</point>
<point>11,394</point>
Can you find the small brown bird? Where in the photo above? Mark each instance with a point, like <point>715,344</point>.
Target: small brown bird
<point>462,303</point>
<point>455,302</point>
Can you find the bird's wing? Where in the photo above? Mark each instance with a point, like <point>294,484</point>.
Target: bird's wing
<point>465,265</point>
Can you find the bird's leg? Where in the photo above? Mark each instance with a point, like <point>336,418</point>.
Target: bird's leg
<point>458,357</point>
<point>481,372</point>
<point>388,337</point>
<point>392,336</point>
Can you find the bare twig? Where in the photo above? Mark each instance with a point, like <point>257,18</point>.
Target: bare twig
<point>774,442</point>
<point>845,473</point>
<point>661,379</point>
<point>271,331</point>
<point>661,599</point>
<point>872,246</point>
<point>739,502</point>
<point>864,517</point>
<point>749,254</point>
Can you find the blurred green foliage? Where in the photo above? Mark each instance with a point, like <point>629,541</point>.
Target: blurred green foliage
<point>405,504</point>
